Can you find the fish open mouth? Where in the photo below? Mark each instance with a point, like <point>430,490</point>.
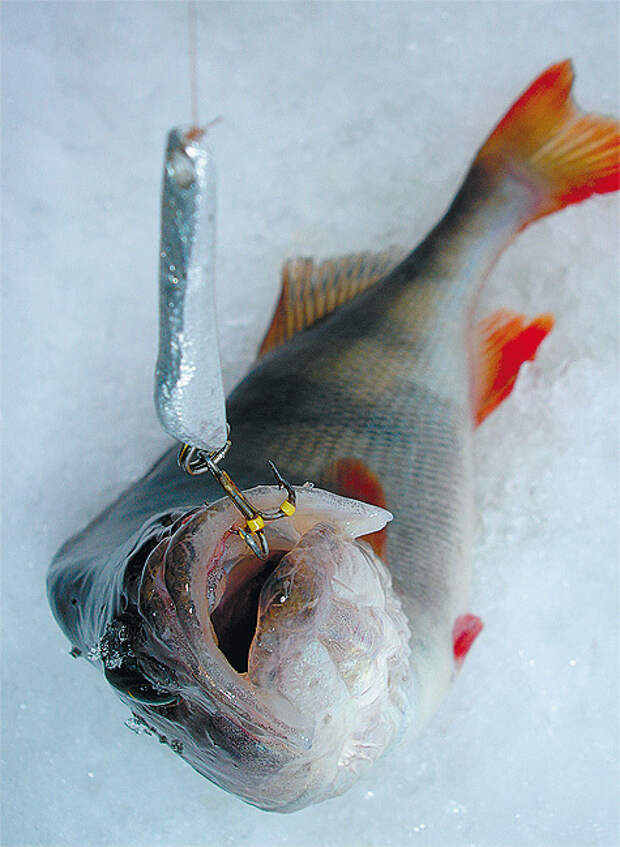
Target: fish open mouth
<point>234,618</point>
<point>207,600</point>
<point>208,577</point>
<point>289,672</point>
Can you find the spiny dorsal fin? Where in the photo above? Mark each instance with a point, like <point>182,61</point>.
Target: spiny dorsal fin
<point>311,291</point>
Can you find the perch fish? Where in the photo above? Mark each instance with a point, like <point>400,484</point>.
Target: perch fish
<point>283,679</point>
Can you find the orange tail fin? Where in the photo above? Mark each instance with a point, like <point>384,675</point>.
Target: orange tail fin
<point>563,154</point>
<point>505,341</point>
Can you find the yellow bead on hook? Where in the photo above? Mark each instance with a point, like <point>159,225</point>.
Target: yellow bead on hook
<point>255,524</point>
<point>288,508</point>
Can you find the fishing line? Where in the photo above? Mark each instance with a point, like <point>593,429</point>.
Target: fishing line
<point>192,27</point>
<point>186,275</point>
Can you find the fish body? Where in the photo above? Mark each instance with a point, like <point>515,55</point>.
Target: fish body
<point>377,399</point>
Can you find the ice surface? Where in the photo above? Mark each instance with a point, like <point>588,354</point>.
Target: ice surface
<point>345,127</point>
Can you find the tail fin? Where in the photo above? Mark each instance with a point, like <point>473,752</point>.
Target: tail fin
<point>548,143</point>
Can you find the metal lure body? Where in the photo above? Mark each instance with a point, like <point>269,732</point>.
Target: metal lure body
<point>189,395</point>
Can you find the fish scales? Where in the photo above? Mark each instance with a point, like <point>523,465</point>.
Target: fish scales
<point>378,397</point>
<point>409,434</point>
<point>362,387</point>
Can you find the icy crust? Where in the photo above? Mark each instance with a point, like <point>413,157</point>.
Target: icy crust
<point>332,638</point>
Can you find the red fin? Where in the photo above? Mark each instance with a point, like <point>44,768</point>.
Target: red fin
<point>505,341</point>
<point>351,478</point>
<point>563,154</point>
<point>464,632</point>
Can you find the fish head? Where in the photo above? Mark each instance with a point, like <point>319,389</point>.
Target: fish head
<point>280,680</point>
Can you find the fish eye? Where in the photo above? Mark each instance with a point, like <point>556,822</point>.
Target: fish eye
<point>131,682</point>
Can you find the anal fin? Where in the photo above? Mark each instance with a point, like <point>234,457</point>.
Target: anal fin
<point>504,341</point>
<point>464,632</point>
<point>351,478</point>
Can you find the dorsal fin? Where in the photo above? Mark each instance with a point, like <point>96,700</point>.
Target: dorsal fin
<point>311,291</point>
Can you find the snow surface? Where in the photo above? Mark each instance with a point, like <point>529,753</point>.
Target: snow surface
<point>344,127</point>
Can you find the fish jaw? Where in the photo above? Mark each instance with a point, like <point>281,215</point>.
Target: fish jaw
<point>325,682</point>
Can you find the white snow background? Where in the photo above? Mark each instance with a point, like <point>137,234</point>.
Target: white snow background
<point>345,127</point>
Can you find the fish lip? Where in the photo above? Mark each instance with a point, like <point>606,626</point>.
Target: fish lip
<point>205,546</point>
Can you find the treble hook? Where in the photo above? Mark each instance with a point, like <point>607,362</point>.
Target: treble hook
<point>195,462</point>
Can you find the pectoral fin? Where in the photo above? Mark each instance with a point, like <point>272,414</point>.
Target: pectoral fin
<point>351,478</point>
<point>504,341</point>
